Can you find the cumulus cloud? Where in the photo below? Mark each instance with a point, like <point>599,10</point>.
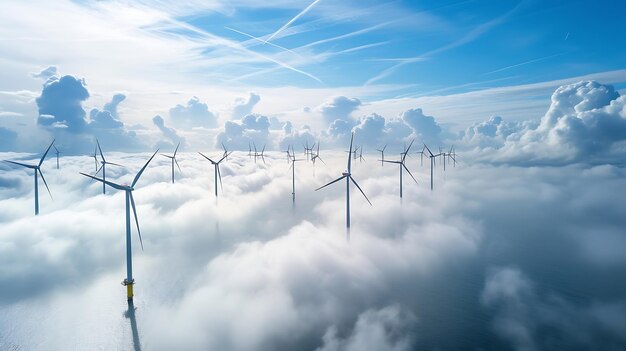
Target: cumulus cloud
<point>375,131</point>
<point>244,107</point>
<point>425,127</point>
<point>60,103</point>
<point>339,107</point>
<point>253,128</point>
<point>586,121</point>
<point>168,133</point>
<point>491,133</point>
<point>45,73</point>
<point>61,113</point>
<point>193,114</point>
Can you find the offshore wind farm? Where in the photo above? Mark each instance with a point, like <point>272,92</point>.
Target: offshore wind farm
<point>312,175</point>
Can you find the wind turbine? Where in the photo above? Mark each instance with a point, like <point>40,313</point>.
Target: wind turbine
<point>257,154</point>
<point>403,165</point>
<point>382,155</point>
<point>104,162</point>
<point>316,156</point>
<point>308,151</point>
<point>57,152</point>
<point>173,158</point>
<point>361,159</point>
<point>130,201</point>
<point>432,164</point>
<point>293,176</point>
<point>348,176</point>
<point>422,153</point>
<point>37,169</point>
<point>216,165</point>
<point>289,153</point>
<point>249,150</point>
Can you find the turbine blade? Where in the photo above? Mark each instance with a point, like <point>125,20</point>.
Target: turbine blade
<point>132,185</point>
<point>176,150</point>
<point>181,171</point>
<point>132,202</point>
<point>361,190</point>
<point>98,171</point>
<point>430,152</point>
<point>44,182</point>
<point>207,158</point>
<point>403,165</point>
<point>100,149</point>
<point>114,164</point>
<point>22,164</point>
<point>334,181</point>
<point>387,161</point>
<point>219,174</point>
<point>45,153</point>
<point>111,184</point>
<point>168,156</point>
<point>223,157</point>
<point>321,160</point>
<point>406,152</point>
<point>350,152</point>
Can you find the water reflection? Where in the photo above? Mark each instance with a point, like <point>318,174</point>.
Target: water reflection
<point>130,314</point>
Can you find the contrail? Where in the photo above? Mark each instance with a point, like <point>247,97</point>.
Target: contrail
<point>523,63</point>
<point>217,40</point>
<point>292,20</point>
<point>468,38</point>
<point>260,40</point>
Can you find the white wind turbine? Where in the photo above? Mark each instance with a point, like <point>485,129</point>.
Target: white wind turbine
<point>432,164</point>
<point>173,158</point>
<point>216,166</point>
<point>130,201</point>
<point>348,176</point>
<point>104,162</point>
<point>403,165</point>
<point>37,169</point>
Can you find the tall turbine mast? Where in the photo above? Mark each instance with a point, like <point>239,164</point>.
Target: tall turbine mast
<point>173,158</point>
<point>402,165</point>
<point>129,282</point>
<point>348,177</point>
<point>37,169</point>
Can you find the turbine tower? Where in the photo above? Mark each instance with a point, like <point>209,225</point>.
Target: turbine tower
<point>216,165</point>
<point>293,176</point>
<point>37,169</point>
<point>422,153</point>
<point>57,152</point>
<point>403,165</point>
<point>348,176</point>
<point>130,201</point>
<point>432,164</point>
<point>173,158</point>
<point>104,162</point>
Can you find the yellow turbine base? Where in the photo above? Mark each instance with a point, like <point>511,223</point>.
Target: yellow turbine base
<point>129,291</point>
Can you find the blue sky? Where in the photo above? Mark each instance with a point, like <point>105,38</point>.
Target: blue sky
<point>459,42</point>
<point>460,61</point>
